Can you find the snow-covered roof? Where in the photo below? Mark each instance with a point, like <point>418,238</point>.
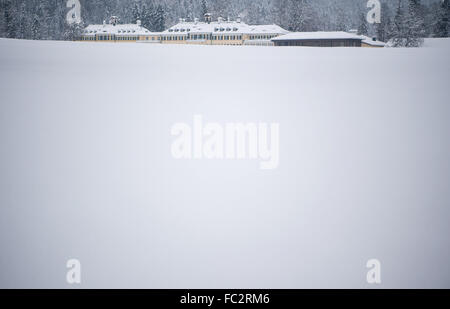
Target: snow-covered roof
<point>369,41</point>
<point>262,29</point>
<point>319,35</point>
<point>125,29</point>
<point>223,27</point>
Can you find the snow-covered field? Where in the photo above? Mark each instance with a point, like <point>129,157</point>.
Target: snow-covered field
<point>86,170</point>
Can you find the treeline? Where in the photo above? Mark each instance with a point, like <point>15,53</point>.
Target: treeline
<point>403,21</point>
<point>409,22</point>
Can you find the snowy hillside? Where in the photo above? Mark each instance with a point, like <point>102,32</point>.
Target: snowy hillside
<point>86,170</point>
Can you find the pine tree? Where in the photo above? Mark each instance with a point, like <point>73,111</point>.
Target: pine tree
<point>204,8</point>
<point>341,21</point>
<point>414,27</point>
<point>22,22</point>
<point>36,26</point>
<point>73,32</point>
<point>384,28</point>
<point>136,12</point>
<point>301,16</point>
<point>279,12</point>
<point>160,18</point>
<point>362,29</point>
<point>399,32</point>
<point>442,16</point>
<point>146,16</point>
<point>10,23</point>
<point>309,17</point>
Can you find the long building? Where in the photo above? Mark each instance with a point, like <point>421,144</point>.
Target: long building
<point>115,32</point>
<point>220,32</point>
<point>207,32</point>
<point>223,32</point>
<point>319,39</point>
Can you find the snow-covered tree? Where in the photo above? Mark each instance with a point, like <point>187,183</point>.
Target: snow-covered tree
<point>362,28</point>
<point>409,27</point>
<point>414,26</point>
<point>136,12</point>
<point>204,8</point>
<point>9,13</point>
<point>160,18</point>
<point>146,15</point>
<point>36,25</point>
<point>301,16</point>
<point>384,28</point>
<point>21,19</point>
<point>442,16</point>
<point>73,32</point>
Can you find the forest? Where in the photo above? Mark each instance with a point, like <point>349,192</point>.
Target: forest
<point>403,21</point>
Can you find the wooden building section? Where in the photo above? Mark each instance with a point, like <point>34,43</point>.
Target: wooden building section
<point>372,42</point>
<point>319,39</point>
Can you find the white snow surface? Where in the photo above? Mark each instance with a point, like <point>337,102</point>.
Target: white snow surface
<point>442,43</point>
<point>86,170</point>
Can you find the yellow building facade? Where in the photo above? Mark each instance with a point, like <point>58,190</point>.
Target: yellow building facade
<point>220,32</point>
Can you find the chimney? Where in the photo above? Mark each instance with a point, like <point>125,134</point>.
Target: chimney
<point>114,20</point>
<point>207,18</point>
<point>195,20</point>
<point>219,19</point>
<point>138,22</point>
<point>238,20</point>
